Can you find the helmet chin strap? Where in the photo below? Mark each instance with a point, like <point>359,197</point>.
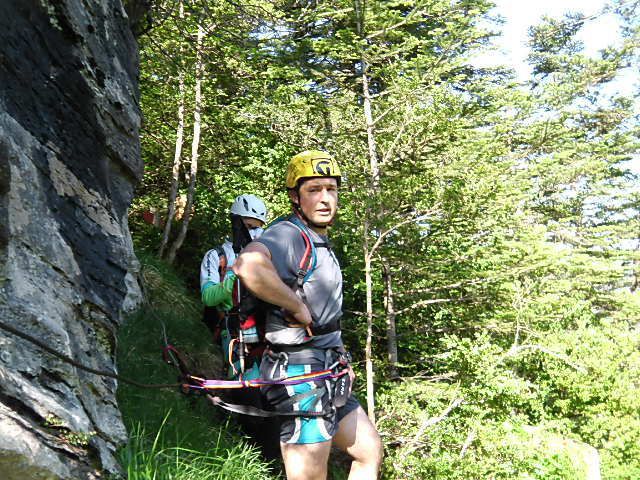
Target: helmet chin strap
<point>301,214</point>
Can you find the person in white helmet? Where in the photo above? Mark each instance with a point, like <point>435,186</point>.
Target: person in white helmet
<point>248,215</point>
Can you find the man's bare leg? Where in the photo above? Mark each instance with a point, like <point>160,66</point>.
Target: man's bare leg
<point>358,437</point>
<point>306,461</point>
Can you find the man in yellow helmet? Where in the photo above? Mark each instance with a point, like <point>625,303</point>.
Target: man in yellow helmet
<point>303,327</point>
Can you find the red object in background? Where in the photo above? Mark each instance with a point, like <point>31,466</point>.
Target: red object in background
<point>149,217</point>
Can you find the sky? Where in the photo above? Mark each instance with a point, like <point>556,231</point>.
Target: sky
<point>519,15</point>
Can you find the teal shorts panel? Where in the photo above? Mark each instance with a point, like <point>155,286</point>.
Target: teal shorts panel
<point>301,429</point>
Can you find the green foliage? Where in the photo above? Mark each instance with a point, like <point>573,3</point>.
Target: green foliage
<point>58,428</point>
<point>427,440</point>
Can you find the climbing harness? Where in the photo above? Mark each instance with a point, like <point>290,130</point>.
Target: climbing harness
<point>337,372</point>
<point>249,314</point>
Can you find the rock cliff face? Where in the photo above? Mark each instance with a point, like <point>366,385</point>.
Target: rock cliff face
<point>69,160</point>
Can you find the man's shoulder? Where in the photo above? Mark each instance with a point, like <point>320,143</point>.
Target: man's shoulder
<point>281,228</point>
<point>282,236</point>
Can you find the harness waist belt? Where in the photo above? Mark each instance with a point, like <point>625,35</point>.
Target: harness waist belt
<point>298,353</point>
<point>334,326</point>
<point>304,353</point>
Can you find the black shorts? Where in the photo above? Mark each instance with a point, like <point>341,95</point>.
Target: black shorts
<point>301,429</point>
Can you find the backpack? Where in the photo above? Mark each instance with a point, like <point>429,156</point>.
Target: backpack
<point>246,322</point>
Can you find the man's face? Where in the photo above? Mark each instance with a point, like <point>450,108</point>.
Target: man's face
<point>318,199</point>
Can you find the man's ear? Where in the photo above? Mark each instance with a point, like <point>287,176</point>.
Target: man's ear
<point>294,197</point>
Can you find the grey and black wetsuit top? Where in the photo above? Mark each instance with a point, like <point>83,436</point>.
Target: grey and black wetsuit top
<point>323,289</point>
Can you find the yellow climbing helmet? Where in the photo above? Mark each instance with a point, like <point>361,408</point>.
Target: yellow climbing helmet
<point>311,163</point>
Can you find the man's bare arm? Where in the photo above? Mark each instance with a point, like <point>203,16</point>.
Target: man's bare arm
<point>257,272</point>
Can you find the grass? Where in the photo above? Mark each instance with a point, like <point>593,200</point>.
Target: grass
<point>161,458</point>
<point>172,435</point>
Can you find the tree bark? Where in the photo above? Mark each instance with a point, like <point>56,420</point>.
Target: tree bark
<point>369,214</point>
<point>392,337</point>
<point>194,150</point>
<point>371,133</point>
<point>177,157</point>
<point>368,348</point>
<point>636,273</point>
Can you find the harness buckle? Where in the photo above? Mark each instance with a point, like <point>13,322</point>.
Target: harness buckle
<point>281,362</point>
<point>301,273</point>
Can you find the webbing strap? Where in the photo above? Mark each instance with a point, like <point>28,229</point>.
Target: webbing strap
<point>309,258</point>
<point>258,412</point>
<point>206,384</point>
<point>334,326</point>
<point>283,406</point>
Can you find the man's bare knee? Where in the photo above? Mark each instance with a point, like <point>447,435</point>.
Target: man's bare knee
<point>374,450</point>
<point>306,461</point>
<point>358,437</point>
<point>369,449</point>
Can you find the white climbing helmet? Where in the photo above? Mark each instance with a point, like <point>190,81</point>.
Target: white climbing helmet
<point>249,205</point>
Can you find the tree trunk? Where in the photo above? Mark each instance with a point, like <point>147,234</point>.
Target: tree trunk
<point>636,272</point>
<point>392,338</point>
<point>369,214</point>
<point>177,157</point>
<point>368,348</point>
<point>371,133</point>
<point>194,150</point>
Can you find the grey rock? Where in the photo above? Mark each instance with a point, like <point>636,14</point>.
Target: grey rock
<point>583,457</point>
<point>69,162</point>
